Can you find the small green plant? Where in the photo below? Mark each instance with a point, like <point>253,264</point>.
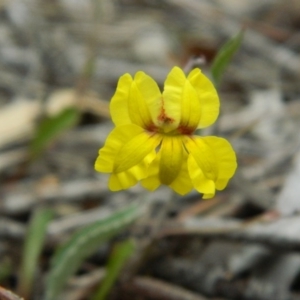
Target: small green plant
<point>51,128</point>
<point>33,246</point>
<point>119,256</point>
<point>224,56</point>
<point>82,244</point>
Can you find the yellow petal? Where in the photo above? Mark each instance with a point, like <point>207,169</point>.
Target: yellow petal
<point>203,155</point>
<point>127,179</point>
<point>226,159</point>
<point>200,182</point>
<point>207,96</point>
<point>116,140</point>
<point>169,117</point>
<point>180,102</point>
<point>136,101</point>
<point>171,159</point>
<point>121,181</point>
<point>135,150</point>
<point>211,163</point>
<point>182,183</point>
<point>147,92</point>
<point>144,100</point>
<point>119,102</point>
<point>152,182</point>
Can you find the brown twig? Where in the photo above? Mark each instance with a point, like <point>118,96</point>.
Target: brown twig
<point>154,289</point>
<point>8,295</point>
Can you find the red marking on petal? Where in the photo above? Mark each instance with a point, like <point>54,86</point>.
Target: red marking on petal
<point>162,117</point>
<point>185,130</point>
<point>151,127</point>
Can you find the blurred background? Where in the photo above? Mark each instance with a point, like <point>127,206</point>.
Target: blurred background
<point>60,61</point>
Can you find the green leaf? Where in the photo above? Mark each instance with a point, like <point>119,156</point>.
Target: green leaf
<point>118,258</point>
<point>82,244</point>
<point>224,56</point>
<point>32,248</point>
<point>51,128</point>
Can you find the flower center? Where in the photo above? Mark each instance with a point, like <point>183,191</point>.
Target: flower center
<point>185,130</point>
<point>181,130</point>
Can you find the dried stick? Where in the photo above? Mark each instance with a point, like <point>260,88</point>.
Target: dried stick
<point>156,289</point>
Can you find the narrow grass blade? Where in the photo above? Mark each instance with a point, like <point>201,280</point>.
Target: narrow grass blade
<point>118,258</point>
<point>51,128</point>
<point>224,56</point>
<point>32,248</point>
<point>82,244</point>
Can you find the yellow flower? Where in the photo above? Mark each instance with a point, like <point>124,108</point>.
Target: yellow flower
<point>153,140</point>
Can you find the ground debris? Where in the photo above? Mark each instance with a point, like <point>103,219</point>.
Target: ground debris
<point>242,244</point>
